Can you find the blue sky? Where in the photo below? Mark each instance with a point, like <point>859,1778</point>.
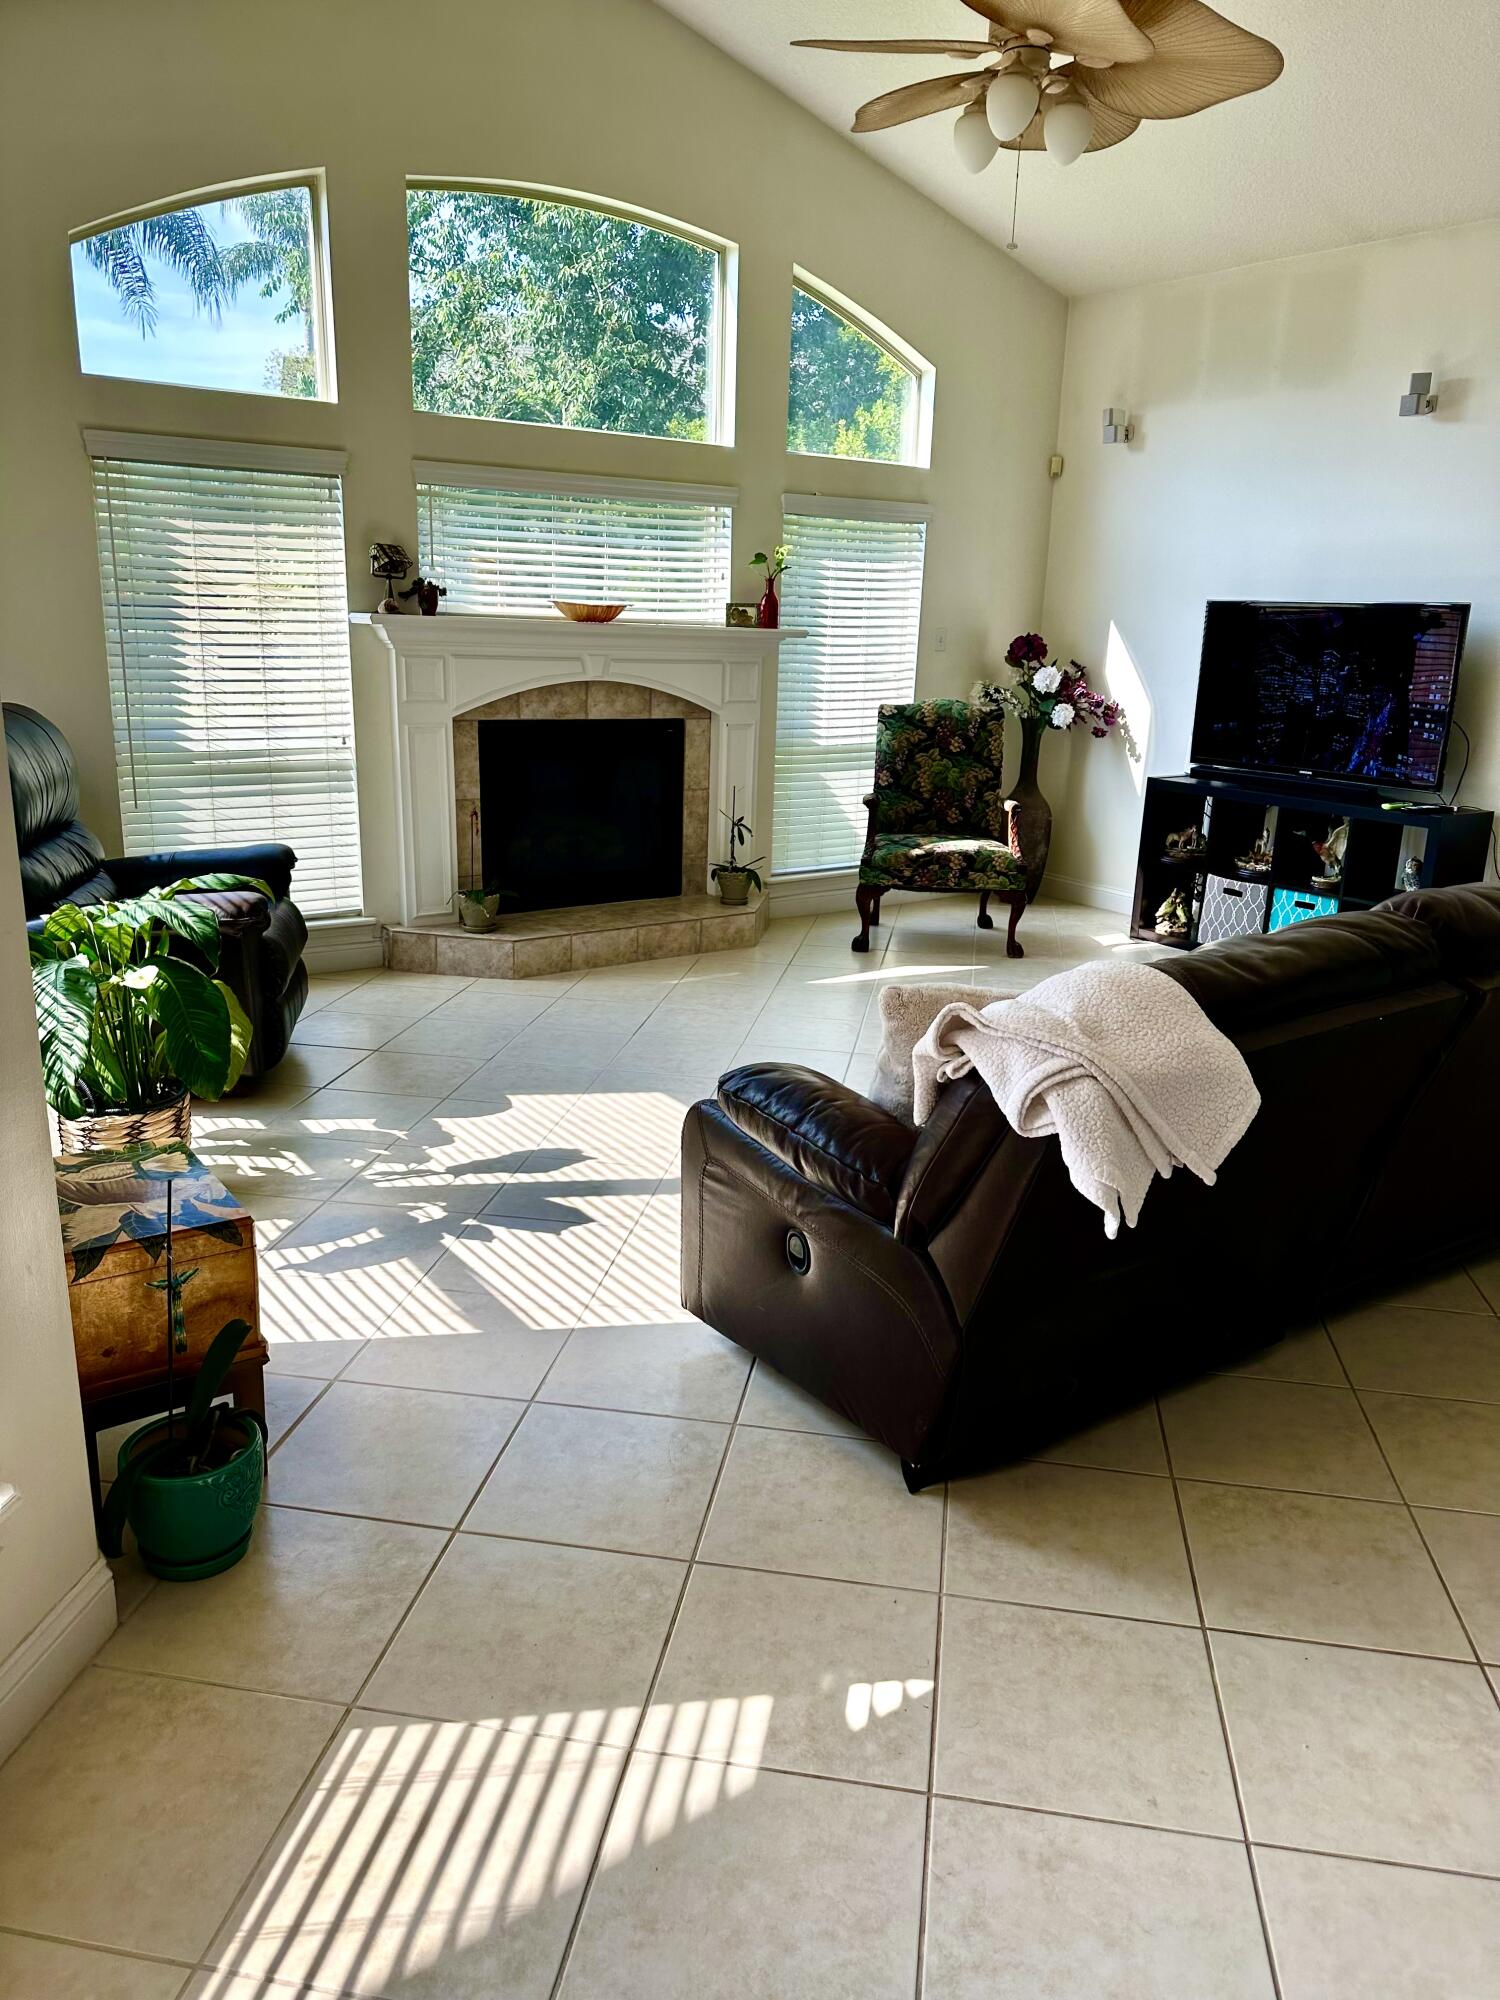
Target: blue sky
<point>187,346</point>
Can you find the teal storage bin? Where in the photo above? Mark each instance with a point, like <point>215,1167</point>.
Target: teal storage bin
<point>1295,906</point>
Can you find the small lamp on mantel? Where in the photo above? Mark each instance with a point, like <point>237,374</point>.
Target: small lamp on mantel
<point>390,561</point>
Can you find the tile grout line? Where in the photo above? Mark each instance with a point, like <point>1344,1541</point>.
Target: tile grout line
<point>646,1701</point>
<point>1218,1692</point>
<point>930,1813</point>
<point>1411,1515</point>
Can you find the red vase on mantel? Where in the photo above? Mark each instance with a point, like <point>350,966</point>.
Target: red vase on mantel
<point>768,613</point>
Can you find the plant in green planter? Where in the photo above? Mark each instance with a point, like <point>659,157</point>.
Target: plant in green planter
<point>189,1486</point>
<point>129,1026</point>
<point>736,878</point>
<point>479,907</point>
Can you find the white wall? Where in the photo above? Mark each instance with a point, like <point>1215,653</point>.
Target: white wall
<point>125,105</point>
<point>56,1596</point>
<point>1269,461</point>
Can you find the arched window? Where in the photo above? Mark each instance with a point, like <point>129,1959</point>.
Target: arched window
<point>221,292</point>
<point>855,391</point>
<point>545,310</point>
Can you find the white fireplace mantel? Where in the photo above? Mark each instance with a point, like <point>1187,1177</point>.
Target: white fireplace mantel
<point>441,667</point>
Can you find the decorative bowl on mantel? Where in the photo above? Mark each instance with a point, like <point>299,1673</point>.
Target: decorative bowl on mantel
<point>588,614</point>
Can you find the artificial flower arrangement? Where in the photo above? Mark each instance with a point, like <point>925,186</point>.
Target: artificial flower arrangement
<point>1039,691</point>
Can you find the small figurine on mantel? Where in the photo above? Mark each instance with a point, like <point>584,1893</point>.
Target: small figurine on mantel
<point>389,561</point>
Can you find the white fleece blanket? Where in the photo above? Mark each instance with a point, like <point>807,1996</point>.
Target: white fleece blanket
<point>1117,1060</point>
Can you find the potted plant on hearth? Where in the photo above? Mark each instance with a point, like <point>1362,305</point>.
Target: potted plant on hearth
<point>479,905</point>
<point>189,1485</point>
<point>1042,696</point>
<point>735,878</point>
<point>130,1028</point>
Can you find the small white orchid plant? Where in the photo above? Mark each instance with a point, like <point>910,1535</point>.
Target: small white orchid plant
<point>1037,691</point>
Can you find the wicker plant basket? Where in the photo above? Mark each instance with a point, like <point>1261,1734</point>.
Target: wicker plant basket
<point>111,1131</point>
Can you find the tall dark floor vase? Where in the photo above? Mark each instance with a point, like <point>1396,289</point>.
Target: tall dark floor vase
<point>1034,815</point>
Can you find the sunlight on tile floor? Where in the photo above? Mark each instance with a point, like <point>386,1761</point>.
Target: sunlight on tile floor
<point>574,1656</point>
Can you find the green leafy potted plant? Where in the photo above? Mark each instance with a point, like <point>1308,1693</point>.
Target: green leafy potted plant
<point>189,1486</point>
<point>735,878</point>
<point>130,1029</point>
<point>479,907</point>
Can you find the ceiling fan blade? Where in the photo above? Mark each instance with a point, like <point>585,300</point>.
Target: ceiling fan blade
<point>918,100</point>
<point>1092,30</point>
<point>1110,127</point>
<point>1200,59</point>
<point>969,51</point>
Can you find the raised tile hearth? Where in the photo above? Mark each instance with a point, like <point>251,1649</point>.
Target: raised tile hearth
<point>552,941</point>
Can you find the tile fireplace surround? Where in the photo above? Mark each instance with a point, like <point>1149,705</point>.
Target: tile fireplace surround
<point>449,673</point>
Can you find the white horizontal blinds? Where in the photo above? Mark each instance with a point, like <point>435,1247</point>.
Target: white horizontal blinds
<point>226,617</point>
<point>516,548</point>
<point>856,585</point>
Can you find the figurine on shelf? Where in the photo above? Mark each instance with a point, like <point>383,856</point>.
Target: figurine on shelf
<point>1173,919</point>
<point>1187,845</point>
<point>1411,874</point>
<point>1331,853</point>
<point>1258,860</point>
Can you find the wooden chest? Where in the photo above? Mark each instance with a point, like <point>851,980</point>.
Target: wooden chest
<point>113,1210</point>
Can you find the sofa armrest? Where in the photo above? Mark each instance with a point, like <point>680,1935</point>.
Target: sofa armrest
<point>270,862</point>
<point>822,1130</point>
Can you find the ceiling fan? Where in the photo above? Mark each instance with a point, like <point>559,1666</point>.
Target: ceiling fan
<point>1073,76</point>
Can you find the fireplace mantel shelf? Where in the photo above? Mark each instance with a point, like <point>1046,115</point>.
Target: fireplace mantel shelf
<point>458,632</point>
<point>444,667</point>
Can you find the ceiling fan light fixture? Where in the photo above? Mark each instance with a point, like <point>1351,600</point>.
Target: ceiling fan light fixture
<point>1010,103</point>
<point>1067,129</point>
<point>973,141</point>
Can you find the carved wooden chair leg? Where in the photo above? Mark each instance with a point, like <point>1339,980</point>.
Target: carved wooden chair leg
<point>866,901</point>
<point>875,914</point>
<point>986,921</point>
<point>1017,905</point>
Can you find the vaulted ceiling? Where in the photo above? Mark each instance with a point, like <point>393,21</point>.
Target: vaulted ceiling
<point>1384,121</point>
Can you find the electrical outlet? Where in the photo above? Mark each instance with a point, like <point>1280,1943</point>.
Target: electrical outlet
<point>940,639</point>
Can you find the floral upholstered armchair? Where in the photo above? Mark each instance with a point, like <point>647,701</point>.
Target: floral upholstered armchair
<point>938,820</point>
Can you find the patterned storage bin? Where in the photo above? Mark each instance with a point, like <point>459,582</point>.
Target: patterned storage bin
<point>1232,909</point>
<point>1295,906</point>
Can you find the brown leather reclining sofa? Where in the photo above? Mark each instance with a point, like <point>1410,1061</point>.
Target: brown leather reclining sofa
<point>949,1292</point>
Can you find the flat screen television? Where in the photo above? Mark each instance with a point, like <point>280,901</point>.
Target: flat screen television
<point>1356,694</point>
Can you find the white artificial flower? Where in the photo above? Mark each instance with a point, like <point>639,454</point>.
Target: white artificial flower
<point>1064,715</point>
<point>1047,680</point>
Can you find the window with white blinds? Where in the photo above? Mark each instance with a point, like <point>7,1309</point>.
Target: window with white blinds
<point>854,580</point>
<point>227,627</point>
<point>513,542</point>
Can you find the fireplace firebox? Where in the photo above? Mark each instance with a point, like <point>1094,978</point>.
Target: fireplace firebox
<point>582,813</point>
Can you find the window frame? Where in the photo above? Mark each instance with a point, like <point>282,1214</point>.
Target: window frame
<point>154,449</point>
<point>521,482</point>
<point>828,506</point>
<point>917,446</point>
<point>325,362</point>
<point>723,368</point>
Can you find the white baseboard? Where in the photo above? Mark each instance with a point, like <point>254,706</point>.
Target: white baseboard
<point>1067,889</point>
<point>823,895</point>
<point>54,1653</point>
<point>344,944</point>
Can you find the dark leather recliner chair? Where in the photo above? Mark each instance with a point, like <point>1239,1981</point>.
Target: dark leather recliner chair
<point>952,1294</point>
<point>260,942</point>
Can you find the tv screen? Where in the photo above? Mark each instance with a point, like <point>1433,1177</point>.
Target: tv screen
<point>1356,693</point>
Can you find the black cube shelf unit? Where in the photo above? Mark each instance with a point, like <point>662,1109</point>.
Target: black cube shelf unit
<point>1232,814</point>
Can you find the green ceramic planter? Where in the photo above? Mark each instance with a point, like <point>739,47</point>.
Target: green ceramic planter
<point>196,1526</point>
<point>734,887</point>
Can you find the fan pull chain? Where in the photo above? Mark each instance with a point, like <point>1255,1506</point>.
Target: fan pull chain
<point>1015,204</point>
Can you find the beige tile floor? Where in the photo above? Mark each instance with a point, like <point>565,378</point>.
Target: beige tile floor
<point>574,1656</point>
